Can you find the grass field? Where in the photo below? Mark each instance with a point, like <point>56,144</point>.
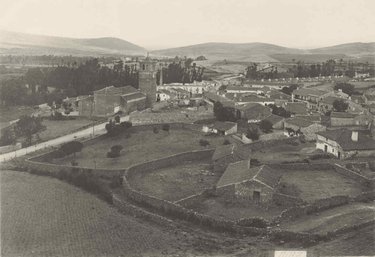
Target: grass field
<point>226,208</point>
<point>284,152</point>
<point>176,182</point>
<point>13,113</point>
<point>55,128</point>
<point>45,217</point>
<point>333,219</point>
<point>317,184</point>
<point>140,147</point>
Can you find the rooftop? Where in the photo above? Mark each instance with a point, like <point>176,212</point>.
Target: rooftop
<point>223,125</point>
<point>344,138</point>
<point>296,108</point>
<point>342,115</point>
<point>309,92</point>
<point>274,118</point>
<point>298,121</point>
<point>330,100</point>
<point>117,90</point>
<point>136,95</point>
<point>239,172</point>
<point>222,151</point>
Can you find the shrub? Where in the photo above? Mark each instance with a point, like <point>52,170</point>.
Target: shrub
<point>126,124</point>
<point>255,162</point>
<point>252,134</point>
<point>320,156</point>
<point>115,151</point>
<point>155,130</point>
<point>204,142</point>
<point>265,126</point>
<point>166,127</point>
<point>226,142</point>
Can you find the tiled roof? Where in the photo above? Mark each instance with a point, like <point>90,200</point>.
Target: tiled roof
<point>255,99</point>
<point>300,122</point>
<point>239,172</point>
<point>296,108</point>
<point>133,96</point>
<point>330,100</point>
<point>217,98</point>
<point>222,151</point>
<point>342,115</point>
<point>344,138</point>
<point>309,92</point>
<point>274,118</point>
<point>224,125</point>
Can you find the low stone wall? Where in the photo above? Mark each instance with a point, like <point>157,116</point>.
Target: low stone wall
<point>255,146</point>
<point>286,200</point>
<point>302,166</point>
<point>319,205</point>
<point>353,175</point>
<point>169,161</point>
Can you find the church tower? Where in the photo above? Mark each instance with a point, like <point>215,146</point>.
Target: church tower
<point>147,80</point>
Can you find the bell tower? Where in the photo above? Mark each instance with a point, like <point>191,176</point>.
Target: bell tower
<point>147,80</point>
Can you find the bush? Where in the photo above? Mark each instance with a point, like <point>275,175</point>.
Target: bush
<point>320,156</point>
<point>155,130</point>
<point>204,142</point>
<point>226,142</point>
<point>255,162</point>
<point>126,124</point>
<point>166,127</point>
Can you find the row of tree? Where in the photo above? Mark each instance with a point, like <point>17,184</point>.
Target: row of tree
<point>181,72</point>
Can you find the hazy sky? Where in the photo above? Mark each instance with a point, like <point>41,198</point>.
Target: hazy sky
<point>168,23</point>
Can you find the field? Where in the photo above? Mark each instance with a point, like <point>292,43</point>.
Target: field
<point>176,182</point>
<point>325,221</point>
<point>13,113</point>
<point>55,128</point>
<point>45,217</point>
<point>140,147</point>
<point>284,152</point>
<point>227,208</point>
<point>316,184</point>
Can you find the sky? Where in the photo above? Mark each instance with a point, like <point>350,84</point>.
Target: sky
<point>157,24</point>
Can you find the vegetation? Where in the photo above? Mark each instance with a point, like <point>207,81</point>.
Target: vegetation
<point>115,151</point>
<point>265,126</point>
<point>166,127</point>
<point>27,126</point>
<point>204,142</point>
<point>71,148</point>
<point>346,88</point>
<point>181,71</point>
<point>8,136</point>
<point>223,113</point>
<point>288,90</point>
<point>280,111</point>
<point>252,133</point>
<point>340,105</point>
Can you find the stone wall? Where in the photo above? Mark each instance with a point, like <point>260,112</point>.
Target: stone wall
<point>353,175</point>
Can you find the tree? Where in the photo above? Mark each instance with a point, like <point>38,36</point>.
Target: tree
<point>166,127</point>
<point>340,105</point>
<point>204,142</point>
<point>8,136</point>
<point>345,87</point>
<point>224,113</point>
<point>117,119</point>
<point>28,126</point>
<point>72,147</point>
<point>13,92</point>
<point>288,90</point>
<point>265,126</point>
<point>253,134</point>
<point>115,151</point>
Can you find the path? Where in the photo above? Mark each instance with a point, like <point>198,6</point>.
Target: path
<point>94,131</point>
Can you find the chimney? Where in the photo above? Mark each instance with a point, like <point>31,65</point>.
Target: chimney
<point>355,136</point>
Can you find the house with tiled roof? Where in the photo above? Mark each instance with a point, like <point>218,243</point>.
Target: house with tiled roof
<point>344,143</point>
<point>242,181</point>
<point>221,128</point>
<point>246,99</point>
<point>296,108</point>
<point>310,96</point>
<point>346,120</point>
<point>276,121</point>
<point>299,126</point>
<point>326,104</point>
<point>110,100</point>
<point>253,112</point>
<point>226,154</point>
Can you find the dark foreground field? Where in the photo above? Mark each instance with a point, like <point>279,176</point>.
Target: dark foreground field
<point>43,216</point>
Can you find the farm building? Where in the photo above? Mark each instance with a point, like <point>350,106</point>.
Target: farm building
<point>343,119</point>
<point>256,184</point>
<point>253,112</point>
<point>110,100</point>
<point>277,121</point>
<point>296,125</point>
<point>226,154</point>
<point>344,143</point>
<point>296,108</point>
<point>221,128</point>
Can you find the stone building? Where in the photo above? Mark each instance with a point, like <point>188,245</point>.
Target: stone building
<point>224,155</point>
<point>147,80</point>
<point>306,127</point>
<point>110,100</point>
<point>344,143</point>
<point>256,184</point>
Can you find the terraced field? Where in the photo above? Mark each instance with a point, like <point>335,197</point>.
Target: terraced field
<point>46,217</point>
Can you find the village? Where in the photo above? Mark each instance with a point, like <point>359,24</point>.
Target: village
<point>221,128</point>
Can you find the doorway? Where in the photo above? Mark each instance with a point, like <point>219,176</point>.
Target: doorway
<point>325,148</point>
<point>256,196</point>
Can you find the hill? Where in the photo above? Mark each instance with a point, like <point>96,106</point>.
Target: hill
<point>261,52</point>
<point>22,43</point>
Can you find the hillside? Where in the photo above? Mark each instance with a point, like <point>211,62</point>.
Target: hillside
<point>22,43</point>
<point>261,52</point>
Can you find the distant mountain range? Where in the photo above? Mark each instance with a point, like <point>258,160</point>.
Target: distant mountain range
<point>269,52</point>
<point>29,44</point>
<point>22,43</point>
